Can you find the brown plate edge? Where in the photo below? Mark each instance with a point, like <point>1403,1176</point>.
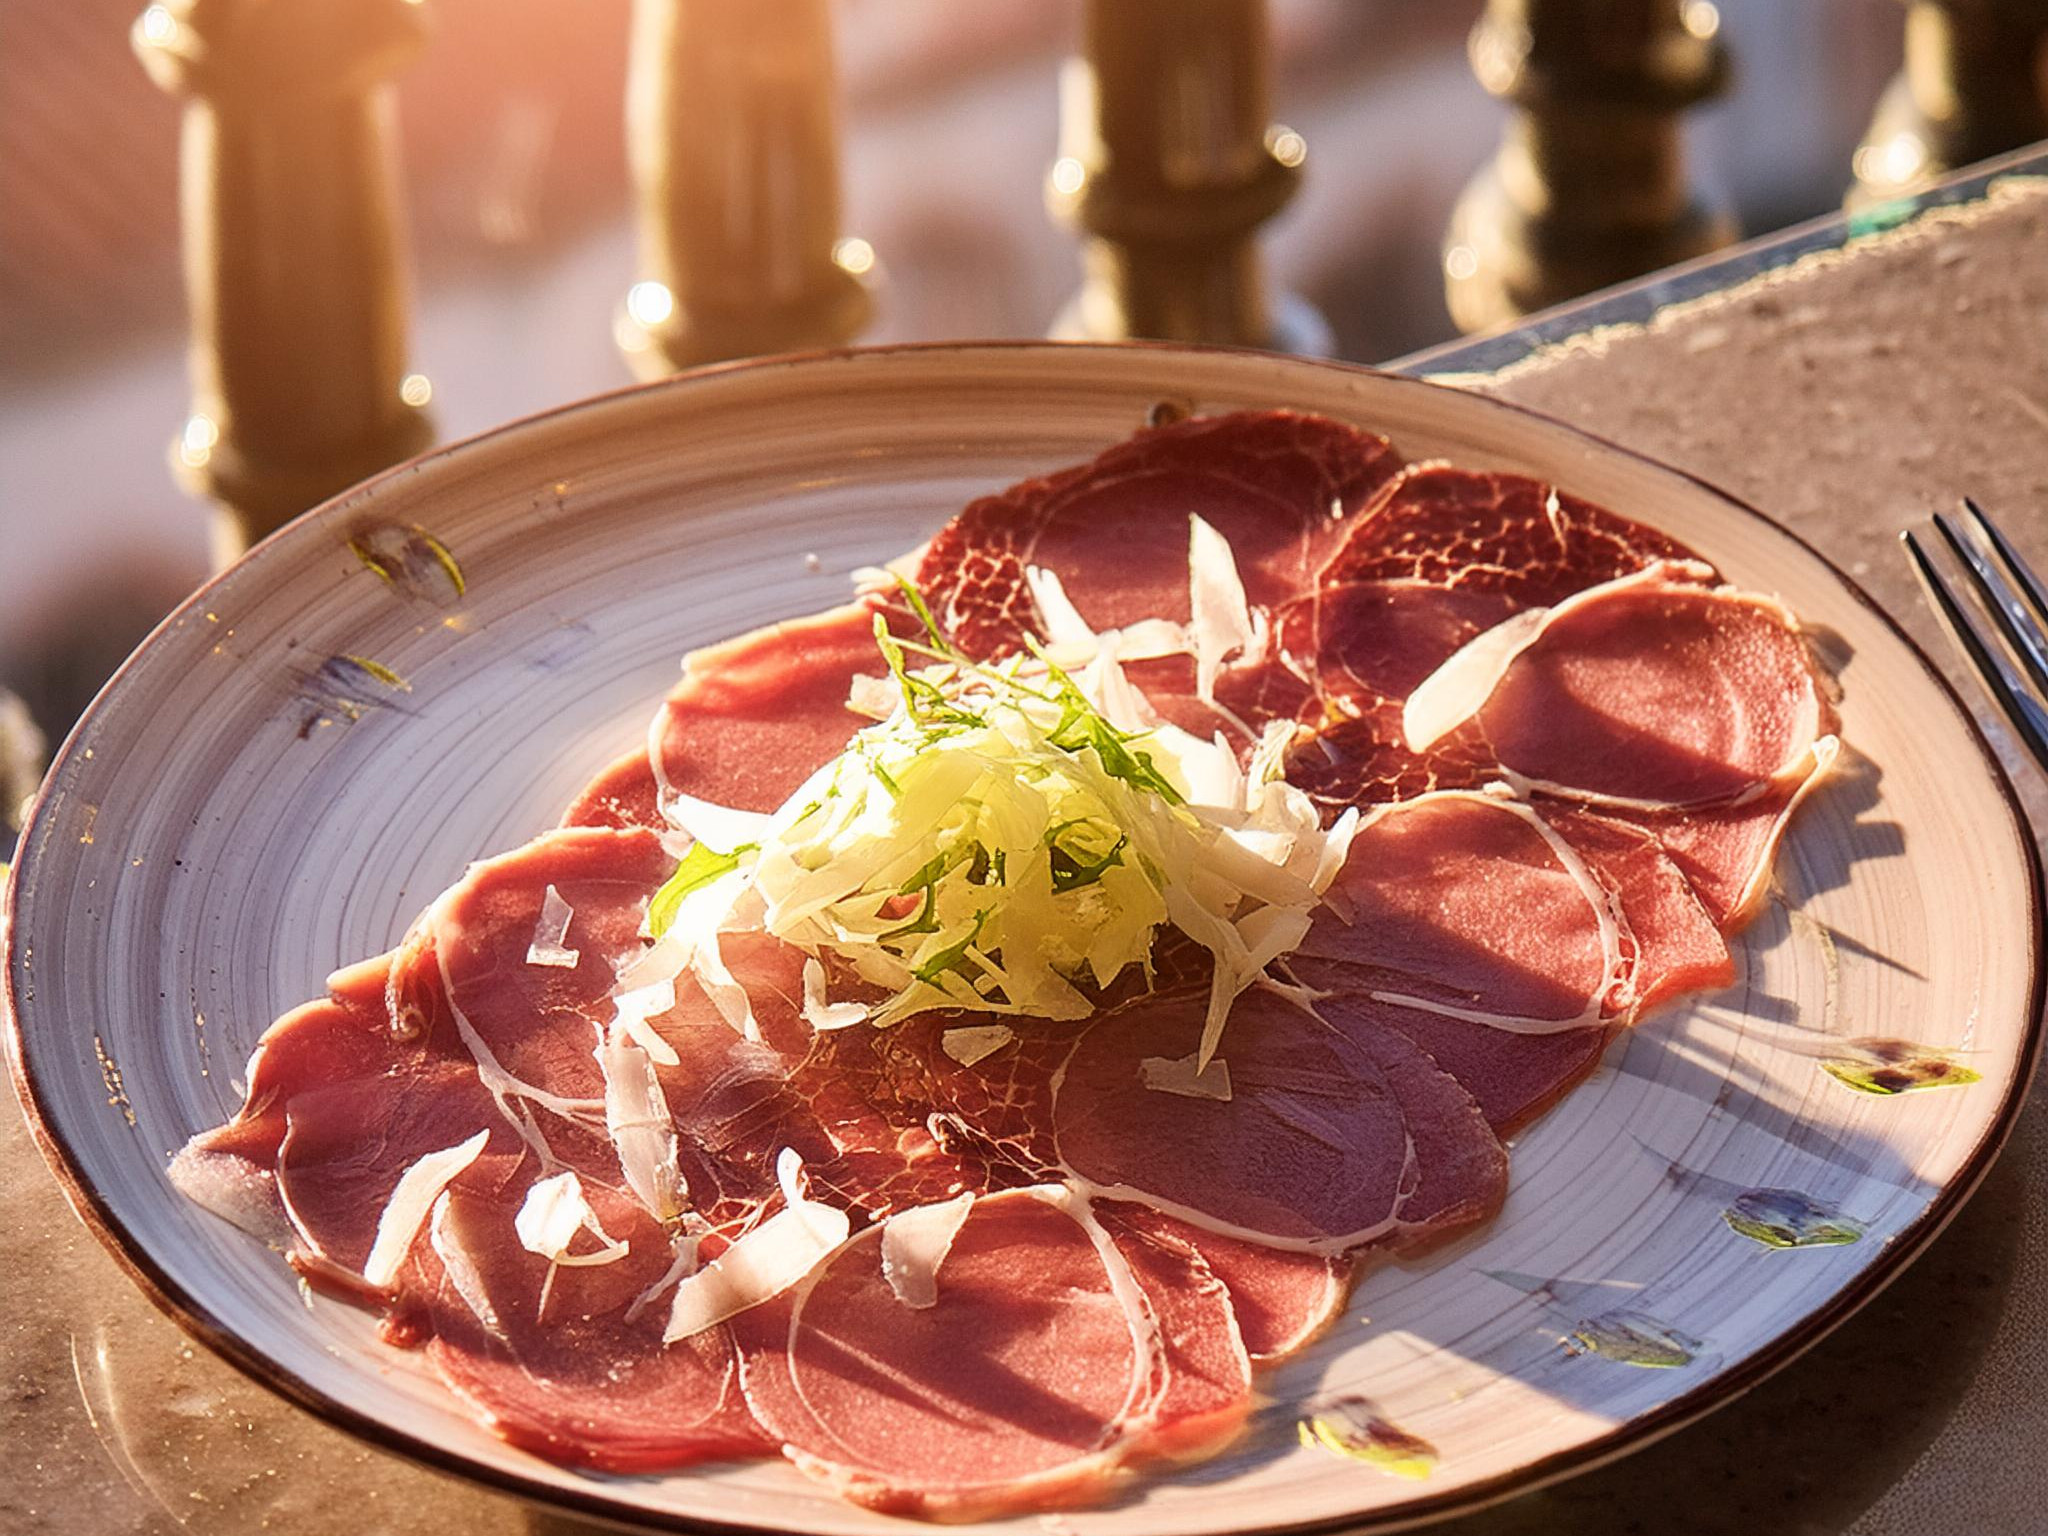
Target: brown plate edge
<point>1904,1247</point>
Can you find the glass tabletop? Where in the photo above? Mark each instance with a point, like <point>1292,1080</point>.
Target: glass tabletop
<point>1636,303</point>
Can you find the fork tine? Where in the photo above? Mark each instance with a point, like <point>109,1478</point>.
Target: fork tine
<point>2015,562</point>
<point>2028,717</point>
<point>2021,632</point>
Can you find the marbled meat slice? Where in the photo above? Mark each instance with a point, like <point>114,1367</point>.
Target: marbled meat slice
<point>751,720</point>
<point>1026,1383</point>
<point>1481,531</point>
<point>1440,557</point>
<point>1279,486</point>
<point>1297,1135</point>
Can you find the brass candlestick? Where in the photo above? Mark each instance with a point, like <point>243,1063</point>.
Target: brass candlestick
<point>1590,185</point>
<point>731,124</point>
<point>293,250</point>
<point>1169,164</point>
<point>1973,86</point>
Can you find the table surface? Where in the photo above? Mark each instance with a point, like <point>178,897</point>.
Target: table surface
<point>1848,377</point>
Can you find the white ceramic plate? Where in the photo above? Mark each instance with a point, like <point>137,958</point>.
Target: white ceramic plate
<point>246,808</point>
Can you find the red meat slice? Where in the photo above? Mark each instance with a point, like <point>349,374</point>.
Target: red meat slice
<point>1281,1299</point>
<point>1694,711</point>
<point>1659,690</point>
<point>1277,485</point>
<point>1023,1386</point>
<point>1671,938</point>
<point>1204,1389</point>
<point>1477,531</point>
<point>1318,1148</point>
<point>750,721</point>
<point>1469,904</point>
<point>588,1382</point>
<point>1461,901</point>
<point>1726,852</point>
<point>1440,557</point>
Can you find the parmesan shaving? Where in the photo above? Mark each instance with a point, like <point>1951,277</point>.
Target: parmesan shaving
<point>972,1042</point>
<point>634,1009</point>
<point>554,1213</point>
<point>818,1012</point>
<point>550,933</point>
<point>683,1264</point>
<point>765,1262</point>
<point>1064,628</point>
<point>460,1265</point>
<point>915,1243</point>
<point>410,1203</point>
<point>1183,1076</point>
<point>1220,621</point>
<point>874,697</point>
<point>643,1133</point>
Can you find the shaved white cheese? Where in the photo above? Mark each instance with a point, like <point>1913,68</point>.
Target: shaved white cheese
<point>410,1203</point>
<point>1183,1075</point>
<point>915,1243</point>
<point>460,1265</point>
<point>971,1042</point>
<point>765,1262</point>
<point>874,697</point>
<point>1149,639</point>
<point>234,1189</point>
<point>1454,692</point>
<point>642,1131</point>
<point>708,822</point>
<point>550,931</point>
<point>821,1014</point>
<point>683,1263</point>
<point>633,1010</point>
<point>1220,621</point>
<point>554,1213</point>
<point>1063,626</point>
<point>1335,850</point>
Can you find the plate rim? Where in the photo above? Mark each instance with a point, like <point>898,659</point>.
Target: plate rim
<point>199,1321</point>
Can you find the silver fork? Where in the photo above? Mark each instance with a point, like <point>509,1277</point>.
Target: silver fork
<point>2008,590</point>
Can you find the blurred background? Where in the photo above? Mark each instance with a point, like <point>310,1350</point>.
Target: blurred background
<point>522,243</point>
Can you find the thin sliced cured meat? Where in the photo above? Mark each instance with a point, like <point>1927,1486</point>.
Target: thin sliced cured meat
<point>1281,1299</point>
<point>1692,709</point>
<point>1363,762</point>
<point>1472,905</point>
<point>1508,943</point>
<point>1204,1390</point>
<point>1024,1384</point>
<point>1296,1135</point>
<point>1657,689</point>
<point>1727,851</point>
<point>586,1381</point>
<point>1671,936</point>
<point>1440,557</point>
<point>1277,485</point>
<point>1481,531</point>
<point>751,720</point>
<point>1512,1078</point>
